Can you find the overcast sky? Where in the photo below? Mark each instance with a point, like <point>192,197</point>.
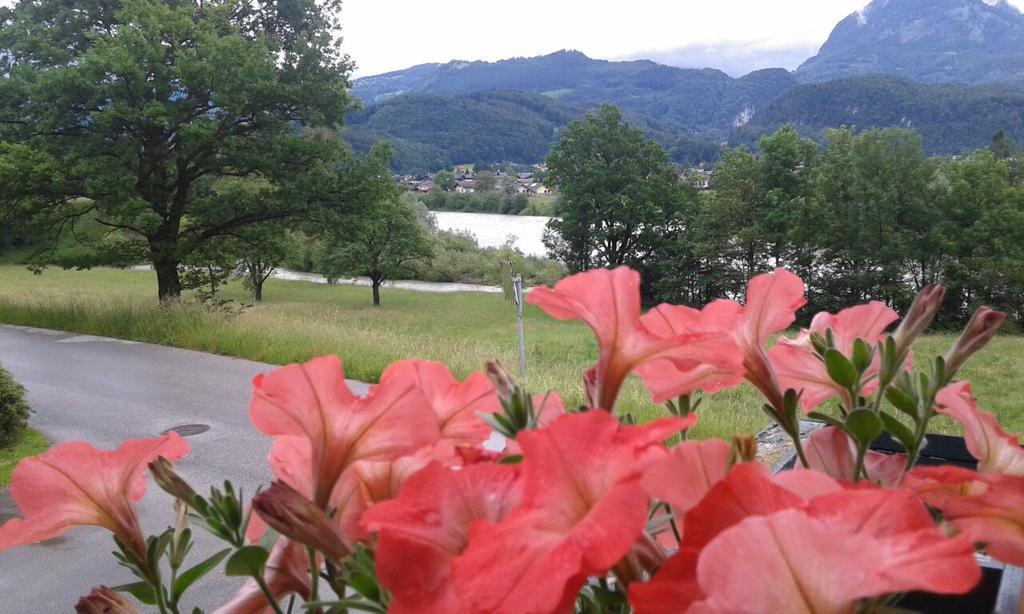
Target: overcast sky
<point>733,35</point>
<point>736,36</point>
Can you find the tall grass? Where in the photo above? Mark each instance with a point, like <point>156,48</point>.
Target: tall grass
<point>300,320</point>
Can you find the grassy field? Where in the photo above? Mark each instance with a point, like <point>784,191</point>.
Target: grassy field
<point>29,443</point>
<point>301,320</point>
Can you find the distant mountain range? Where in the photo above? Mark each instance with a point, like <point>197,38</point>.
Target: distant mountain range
<point>933,41</point>
<point>437,115</point>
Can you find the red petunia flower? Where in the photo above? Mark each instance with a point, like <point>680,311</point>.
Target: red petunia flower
<point>987,505</point>
<point>73,484</point>
<point>583,509</point>
<point>665,379</point>
<point>609,302</point>
<point>996,450</point>
<point>987,508</point>
<point>455,403</point>
<point>684,478</point>
<point>429,523</point>
<point>758,546</point>
<point>827,556</point>
<point>830,451</point>
<point>313,401</point>
<point>798,368</point>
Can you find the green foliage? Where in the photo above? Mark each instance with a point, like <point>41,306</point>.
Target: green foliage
<point>131,112</point>
<point>478,202</point>
<point>431,132</point>
<point>298,321</point>
<point>458,258</point>
<point>378,242</point>
<point>689,99</point>
<point>620,196</point>
<point>29,442</point>
<point>951,118</point>
<point>14,410</point>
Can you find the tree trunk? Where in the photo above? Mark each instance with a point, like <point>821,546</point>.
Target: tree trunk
<point>167,279</point>
<point>376,291</point>
<point>257,290</point>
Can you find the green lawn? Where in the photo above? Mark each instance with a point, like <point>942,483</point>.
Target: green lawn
<point>29,443</point>
<point>301,320</point>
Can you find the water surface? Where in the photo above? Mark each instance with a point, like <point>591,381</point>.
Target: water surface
<point>493,230</point>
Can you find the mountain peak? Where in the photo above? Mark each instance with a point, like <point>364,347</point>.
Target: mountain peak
<point>967,41</point>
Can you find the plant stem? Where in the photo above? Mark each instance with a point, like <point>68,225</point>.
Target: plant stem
<point>267,594</point>
<point>858,467</point>
<point>795,436</point>
<point>314,573</point>
<point>672,523</point>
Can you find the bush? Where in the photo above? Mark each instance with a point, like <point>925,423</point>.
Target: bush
<point>13,409</point>
<point>459,258</point>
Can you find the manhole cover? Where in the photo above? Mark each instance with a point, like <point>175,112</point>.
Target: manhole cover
<point>188,430</point>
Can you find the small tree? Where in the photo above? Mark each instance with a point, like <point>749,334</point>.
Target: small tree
<point>261,251</point>
<point>377,242</point>
<point>508,183</point>
<point>486,181</point>
<point>445,180</point>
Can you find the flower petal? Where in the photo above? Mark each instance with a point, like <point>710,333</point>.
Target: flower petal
<point>841,548</point>
<point>582,511</point>
<point>996,451</point>
<point>75,484</point>
<point>313,401</point>
<point>456,403</point>
<point>429,523</point>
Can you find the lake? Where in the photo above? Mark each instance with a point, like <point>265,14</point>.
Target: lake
<point>492,230</point>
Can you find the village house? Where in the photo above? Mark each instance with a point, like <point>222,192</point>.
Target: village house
<point>465,186</point>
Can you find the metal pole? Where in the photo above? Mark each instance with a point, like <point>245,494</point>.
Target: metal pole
<point>517,282</point>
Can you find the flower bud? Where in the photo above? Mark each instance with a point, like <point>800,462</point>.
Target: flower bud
<point>501,380</point>
<point>920,316</point>
<point>291,514</point>
<point>983,326</point>
<point>102,600</point>
<point>168,480</point>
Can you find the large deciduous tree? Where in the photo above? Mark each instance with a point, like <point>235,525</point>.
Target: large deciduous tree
<point>129,112</point>
<point>619,194</point>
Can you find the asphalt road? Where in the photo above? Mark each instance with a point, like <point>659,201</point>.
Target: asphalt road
<point>106,390</point>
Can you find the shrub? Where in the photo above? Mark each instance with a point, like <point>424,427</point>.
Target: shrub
<point>13,408</point>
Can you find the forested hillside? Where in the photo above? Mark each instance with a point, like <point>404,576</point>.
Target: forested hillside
<point>950,118</point>
<point>706,100</point>
<point>430,132</point>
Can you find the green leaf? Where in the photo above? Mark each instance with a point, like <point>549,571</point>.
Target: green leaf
<point>898,430</point>
<point>143,591</point>
<point>827,419</point>
<point>514,459</point>
<point>902,401</point>
<point>840,369</point>
<point>862,355</point>
<point>864,426</point>
<point>364,585</point>
<point>247,561</point>
<point>189,577</point>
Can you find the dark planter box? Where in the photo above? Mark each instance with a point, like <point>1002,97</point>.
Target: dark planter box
<point>1000,588</point>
